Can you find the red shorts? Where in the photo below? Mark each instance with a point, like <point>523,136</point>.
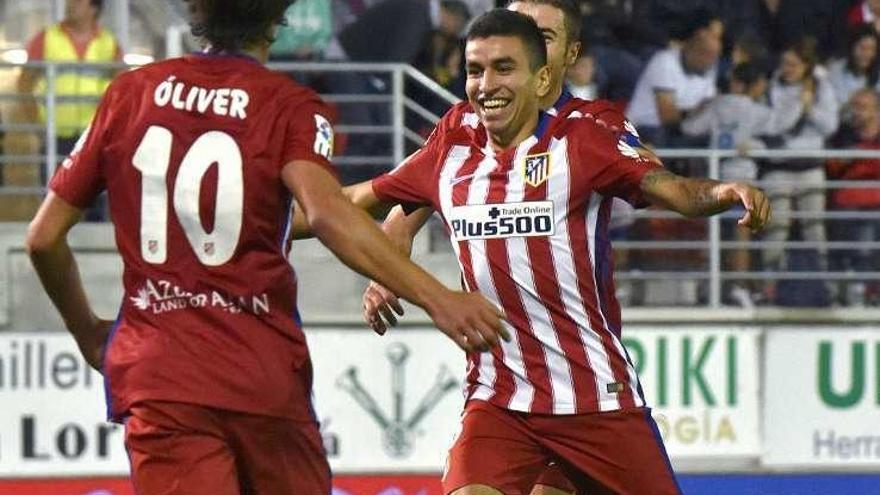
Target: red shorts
<point>183,449</point>
<point>616,452</point>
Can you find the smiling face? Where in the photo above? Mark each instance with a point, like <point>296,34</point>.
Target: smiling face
<point>561,52</point>
<point>503,89</point>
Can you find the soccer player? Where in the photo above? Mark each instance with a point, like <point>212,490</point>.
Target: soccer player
<point>207,363</point>
<point>560,24</point>
<point>526,199</point>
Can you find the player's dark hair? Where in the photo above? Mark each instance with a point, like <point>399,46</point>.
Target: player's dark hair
<point>98,5</point>
<point>232,25</point>
<point>747,73</point>
<point>571,16</point>
<point>502,22</point>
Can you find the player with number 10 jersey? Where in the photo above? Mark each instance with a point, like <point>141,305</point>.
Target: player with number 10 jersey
<point>190,155</point>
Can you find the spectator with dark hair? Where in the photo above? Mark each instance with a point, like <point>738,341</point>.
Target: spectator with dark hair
<point>802,96</point>
<point>861,130</point>
<point>677,80</point>
<point>860,68</point>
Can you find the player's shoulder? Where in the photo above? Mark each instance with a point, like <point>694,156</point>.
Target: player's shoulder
<point>587,137</point>
<point>459,115</point>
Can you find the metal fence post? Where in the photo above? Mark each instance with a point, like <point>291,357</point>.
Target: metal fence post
<point>714,238</point>
<point>397,121</point>
<point>51,130</point>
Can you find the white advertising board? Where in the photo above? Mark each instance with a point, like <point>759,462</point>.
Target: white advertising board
<point>387,404</point>
<point>822,400</point>
<point>703,387</point>
<point>52,410</point>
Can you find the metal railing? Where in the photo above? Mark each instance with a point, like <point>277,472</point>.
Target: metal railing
<point>399,124</point>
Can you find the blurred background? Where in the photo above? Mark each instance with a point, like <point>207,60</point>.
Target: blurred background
<point>760,353</point>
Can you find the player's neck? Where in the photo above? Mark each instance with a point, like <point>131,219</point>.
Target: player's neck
<point>260,52</point>
<point>550,99</point>
<point>501,142</point>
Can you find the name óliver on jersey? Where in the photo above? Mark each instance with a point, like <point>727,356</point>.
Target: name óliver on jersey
<point>190,151</point>
<point>530,229</point>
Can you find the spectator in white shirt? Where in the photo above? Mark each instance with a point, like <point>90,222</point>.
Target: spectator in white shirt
<point>860,68</point>
<point>677,80</point>
<point>799,93</point>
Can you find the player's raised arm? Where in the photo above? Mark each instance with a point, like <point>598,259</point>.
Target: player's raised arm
<point>467,318</point>
<point>704,197</point>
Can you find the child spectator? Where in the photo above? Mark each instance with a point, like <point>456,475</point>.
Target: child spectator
<point>735,121</point>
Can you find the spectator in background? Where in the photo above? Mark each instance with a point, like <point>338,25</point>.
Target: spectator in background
<point>747,48</point>
<point>677,80</point>
<point>861,130</point>
<point>622,37</point>
<point>861,66</point>
<point>864,12</point>
<point>579,77</point>
<point>78,38</point>
<point>802,96</point>
<point>736,120</point>
<point>305,33</point>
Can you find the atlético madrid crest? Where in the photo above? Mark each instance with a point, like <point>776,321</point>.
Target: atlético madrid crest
<point>537,169</point>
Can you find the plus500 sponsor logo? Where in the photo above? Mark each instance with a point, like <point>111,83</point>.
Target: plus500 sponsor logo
<point>528,219</point>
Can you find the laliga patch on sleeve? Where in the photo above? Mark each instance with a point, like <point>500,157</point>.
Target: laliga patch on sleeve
<point>68,161</point>
<point>323,137</point>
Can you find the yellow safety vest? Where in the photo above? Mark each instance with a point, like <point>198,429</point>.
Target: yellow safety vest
<point>71,118</point>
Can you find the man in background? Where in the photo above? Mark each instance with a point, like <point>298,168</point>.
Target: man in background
<point>78,38</point>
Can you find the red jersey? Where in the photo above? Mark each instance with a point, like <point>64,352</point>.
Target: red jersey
<point>529,227</point>
<point>190,151</point>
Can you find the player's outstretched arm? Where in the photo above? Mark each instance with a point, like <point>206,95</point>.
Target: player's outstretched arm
<point>704,197</point>
<point>55,265</point>
<point>380,304</point>
<point>467,318</point>
<point>361,194</point>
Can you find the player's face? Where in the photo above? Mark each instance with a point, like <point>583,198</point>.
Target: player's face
<point>561,53</point>
<point>502,88</point>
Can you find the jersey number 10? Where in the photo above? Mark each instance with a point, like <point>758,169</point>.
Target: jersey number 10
<point>152,158</point>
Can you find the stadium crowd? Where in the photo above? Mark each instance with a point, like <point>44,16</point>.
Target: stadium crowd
<point>729,74</point>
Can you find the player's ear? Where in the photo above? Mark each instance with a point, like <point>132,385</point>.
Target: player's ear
<point>572,51</point>
<point>542,81</point>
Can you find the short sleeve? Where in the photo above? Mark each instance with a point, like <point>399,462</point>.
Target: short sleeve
<point>35,47</point>
<point>659,73</point>
<point>414,182</point>
<point>619,169</point>
<point>80,178</point>
<point>308,133</point>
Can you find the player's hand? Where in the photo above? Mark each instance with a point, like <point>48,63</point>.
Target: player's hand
<point>93,341</point>
<point>469,319</point>
<point>753,200</point>
<point>380,304</point>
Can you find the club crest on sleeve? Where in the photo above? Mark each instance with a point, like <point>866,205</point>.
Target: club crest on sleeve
<point>323,137</point>
<point>537,169</point>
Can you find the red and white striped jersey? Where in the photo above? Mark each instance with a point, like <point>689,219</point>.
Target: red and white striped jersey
<point>529,226</point>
